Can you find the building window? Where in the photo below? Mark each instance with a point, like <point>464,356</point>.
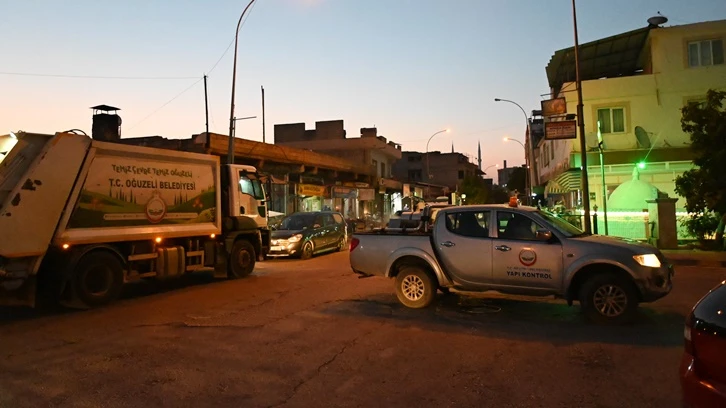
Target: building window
<point>383,170</point>
<point>461,174</point>
<point>414,175</point>
<point>705,53</point>
<point>612,120</point>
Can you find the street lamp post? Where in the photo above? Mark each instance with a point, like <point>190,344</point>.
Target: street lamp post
<point>527,180</point>
<point>428,173</point>
<point>527,154</point>
<point>489,167</point>
<point>230,151</point>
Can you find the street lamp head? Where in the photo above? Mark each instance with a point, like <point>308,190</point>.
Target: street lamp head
<point>497,100</point>
<point>448,130</point>
<point>506,138</point>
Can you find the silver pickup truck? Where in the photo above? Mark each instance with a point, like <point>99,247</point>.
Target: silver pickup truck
<point>514,250</point>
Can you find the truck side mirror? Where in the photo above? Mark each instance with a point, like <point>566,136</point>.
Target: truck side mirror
<point>543,235</point>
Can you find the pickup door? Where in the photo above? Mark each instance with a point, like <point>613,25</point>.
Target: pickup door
<point>520,259</point>
<point>464,247</point>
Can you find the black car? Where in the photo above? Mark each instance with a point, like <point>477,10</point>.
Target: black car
<point>304,234</point>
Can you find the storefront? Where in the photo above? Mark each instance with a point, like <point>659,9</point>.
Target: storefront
<point>310,197</point>
<point>345,200</point>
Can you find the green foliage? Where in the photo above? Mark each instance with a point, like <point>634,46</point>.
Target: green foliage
<point>498,195</point>
<point>518,180</point>
<point>701,225</point>
<point>705,186</point>
<point>475,189</point>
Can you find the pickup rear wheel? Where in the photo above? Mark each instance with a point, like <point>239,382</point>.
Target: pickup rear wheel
<point>608,298</point>
<point>415,288</point>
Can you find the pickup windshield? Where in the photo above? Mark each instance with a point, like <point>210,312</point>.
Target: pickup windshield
<point>560,224</point>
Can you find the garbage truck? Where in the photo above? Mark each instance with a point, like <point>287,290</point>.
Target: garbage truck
<point>82,217</point>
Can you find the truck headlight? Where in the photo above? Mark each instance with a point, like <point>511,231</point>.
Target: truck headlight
<point>295,238</point>
<point>649,260</point>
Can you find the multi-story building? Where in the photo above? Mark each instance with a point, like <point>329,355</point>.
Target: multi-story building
<point>435,168</point>
<point>634,85</point>
<point>354,200</point>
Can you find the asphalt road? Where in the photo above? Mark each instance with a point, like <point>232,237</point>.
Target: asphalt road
<point>311,334</point>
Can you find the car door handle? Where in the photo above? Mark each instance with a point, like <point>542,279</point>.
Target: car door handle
<point>448,244</point>
<point>502,248</point>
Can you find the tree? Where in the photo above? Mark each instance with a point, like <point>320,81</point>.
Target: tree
<point>705,186</point>
<point>498,195</point>
<point>518,180</point>
<point>475,189</point>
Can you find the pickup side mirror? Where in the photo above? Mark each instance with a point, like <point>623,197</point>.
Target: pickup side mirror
<point>543,235</point>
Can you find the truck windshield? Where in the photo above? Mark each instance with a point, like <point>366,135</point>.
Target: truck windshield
<point>560,224</point>
<point>249,184</point>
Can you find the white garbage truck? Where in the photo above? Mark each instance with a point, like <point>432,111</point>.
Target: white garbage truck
<point>82,217</point>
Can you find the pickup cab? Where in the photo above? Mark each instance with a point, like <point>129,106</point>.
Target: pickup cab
<point>514,250</point>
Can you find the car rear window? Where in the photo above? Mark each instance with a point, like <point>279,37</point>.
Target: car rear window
<point>711,311</point>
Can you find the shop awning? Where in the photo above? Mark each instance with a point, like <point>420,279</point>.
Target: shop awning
<point>571,180</point>
<point>553,187</point>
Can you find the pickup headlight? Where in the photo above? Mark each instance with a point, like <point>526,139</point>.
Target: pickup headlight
<point>649,260</point>
<point>295,238</point>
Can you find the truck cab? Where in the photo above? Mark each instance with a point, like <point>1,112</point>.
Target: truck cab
<point>249,201</point>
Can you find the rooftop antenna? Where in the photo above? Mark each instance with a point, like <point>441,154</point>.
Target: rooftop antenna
<point>657,21</point>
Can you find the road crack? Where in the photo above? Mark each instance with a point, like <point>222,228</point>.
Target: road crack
<point>319,369</point>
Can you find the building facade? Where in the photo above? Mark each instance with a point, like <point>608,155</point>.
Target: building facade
<point>634,85</point>
<point>446,170</point>
<point>356,200</point>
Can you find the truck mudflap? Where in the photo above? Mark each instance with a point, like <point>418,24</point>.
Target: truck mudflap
<point>17,292</point>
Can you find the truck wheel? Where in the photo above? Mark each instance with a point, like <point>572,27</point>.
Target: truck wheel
<point>241,260</point>
<point>608,299</point>
<point>415,288</point>
<point>307,250</point>
<point>98,278</point>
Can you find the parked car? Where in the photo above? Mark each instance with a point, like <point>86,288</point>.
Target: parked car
<point>703,365</point>
<point>304,234</point>
<point>515,250</point>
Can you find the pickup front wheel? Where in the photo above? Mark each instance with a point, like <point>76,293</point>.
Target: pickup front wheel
<point>608,298</point>
<point>415,288</point>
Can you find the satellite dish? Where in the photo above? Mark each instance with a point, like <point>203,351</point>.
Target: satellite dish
<point>657,21</point>
<point>642,137</point>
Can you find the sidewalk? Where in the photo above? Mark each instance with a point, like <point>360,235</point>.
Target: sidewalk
<point>694,257</point>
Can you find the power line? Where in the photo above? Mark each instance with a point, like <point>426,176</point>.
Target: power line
<point>92,76</point>
<point>166,103</point>
<point>231,42</point>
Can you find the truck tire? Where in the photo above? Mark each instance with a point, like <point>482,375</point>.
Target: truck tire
<point>608,299</point>
<point>307,250</point>
<point>415,288</point>
<point>98,278</point>
<point>241,260</point>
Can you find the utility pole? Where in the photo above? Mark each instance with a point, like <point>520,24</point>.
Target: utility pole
<point>206,106</point>
<point>263,113</point>
<point>581,123</point>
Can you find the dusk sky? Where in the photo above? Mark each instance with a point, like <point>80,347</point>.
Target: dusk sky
<point>408,67</point>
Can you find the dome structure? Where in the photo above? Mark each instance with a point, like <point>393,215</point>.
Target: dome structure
<point>632,195</point>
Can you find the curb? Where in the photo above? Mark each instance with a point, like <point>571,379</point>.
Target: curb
<point>697,262</point>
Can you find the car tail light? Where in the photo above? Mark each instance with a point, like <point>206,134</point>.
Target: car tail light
<point>687,335</point>
<point>354,244</point>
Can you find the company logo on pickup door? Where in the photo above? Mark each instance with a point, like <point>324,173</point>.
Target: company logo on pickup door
<point>527,257</point>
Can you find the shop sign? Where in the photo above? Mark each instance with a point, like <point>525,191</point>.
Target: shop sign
<point>344,192</point>
<point>309,190</point>
<point>366,194</point>
<point>566,129</point>
<point>356,184</point>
